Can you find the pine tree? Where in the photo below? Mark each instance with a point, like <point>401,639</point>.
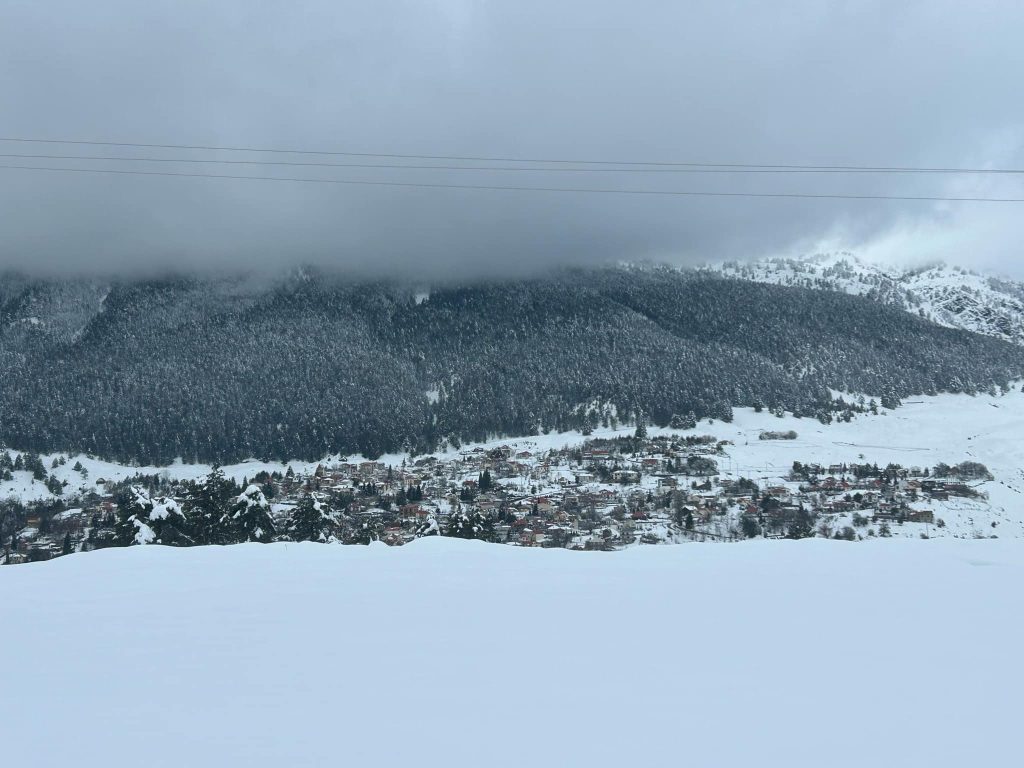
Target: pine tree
<point>168,522</point>
<point>144,520</point>
<point>132,525</point>
<point>428,527</point>
<point>33,462</point>
<point>310,520</point>
<point>641,426</point>
<point>689,421</point>
<point>459,525</point>
<point>248,518</point>
<point>469,525</point>
<point>206,505</point>
<point>588,423</point>
<point>365,532</point>
<point>802,526</point>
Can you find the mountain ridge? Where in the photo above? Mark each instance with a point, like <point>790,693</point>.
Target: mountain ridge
<point>947,295</point>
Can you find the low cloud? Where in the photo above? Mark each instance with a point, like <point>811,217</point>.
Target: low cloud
<point>858,83</point>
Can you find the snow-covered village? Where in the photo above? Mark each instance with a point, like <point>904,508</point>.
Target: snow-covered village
<point>760,476</point>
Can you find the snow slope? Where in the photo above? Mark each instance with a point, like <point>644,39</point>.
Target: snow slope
<point>950,296</point>
<point>451,653</point>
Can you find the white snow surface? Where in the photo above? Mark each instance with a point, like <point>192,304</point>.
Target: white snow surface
<point>453,653</point>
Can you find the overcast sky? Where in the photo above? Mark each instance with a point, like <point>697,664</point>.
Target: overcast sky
<point>929,83</point>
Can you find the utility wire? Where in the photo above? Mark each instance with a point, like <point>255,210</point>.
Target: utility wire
<point>468,158</point>
<point>581,190</point>
<point>521,168</point>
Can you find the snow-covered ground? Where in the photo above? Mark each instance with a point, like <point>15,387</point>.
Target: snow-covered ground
<point>453,653</point>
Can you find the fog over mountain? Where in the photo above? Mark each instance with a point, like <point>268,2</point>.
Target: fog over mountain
<point>865,83</point>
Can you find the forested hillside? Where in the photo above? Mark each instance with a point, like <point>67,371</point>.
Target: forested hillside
<point>947,295</point>
<point>224,369</point>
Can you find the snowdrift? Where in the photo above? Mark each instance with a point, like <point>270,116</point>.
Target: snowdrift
<point>455,653</point>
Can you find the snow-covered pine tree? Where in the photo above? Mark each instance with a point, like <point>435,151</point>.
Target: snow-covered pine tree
<point>364,531</point>
<point>132,526</point>
<point>249,518</point>
<point>168,522</point>
<point>311,520</point>
<point>33,462</point>
<point>641,426</point>
<point>428,527</point>
<point>588,425</point>
<point>54,486</point>
<point>206,503</point>
<point>469,525</point>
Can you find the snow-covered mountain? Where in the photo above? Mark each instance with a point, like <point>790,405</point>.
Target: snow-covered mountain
<point>219,369</point>
<point>950,296</point>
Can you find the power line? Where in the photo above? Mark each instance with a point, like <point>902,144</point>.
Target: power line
<point>483,159</point>
<point>580,190</point>
<point>406,166</point>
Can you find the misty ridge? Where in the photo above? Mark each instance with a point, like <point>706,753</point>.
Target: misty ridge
<point>226,369</point>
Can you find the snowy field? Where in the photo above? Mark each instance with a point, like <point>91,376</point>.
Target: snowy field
<point>453,653</point>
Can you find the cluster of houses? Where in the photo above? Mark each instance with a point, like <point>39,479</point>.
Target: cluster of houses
<point>604,494</point>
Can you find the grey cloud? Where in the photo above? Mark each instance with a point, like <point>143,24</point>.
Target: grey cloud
<point>859,83</point>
